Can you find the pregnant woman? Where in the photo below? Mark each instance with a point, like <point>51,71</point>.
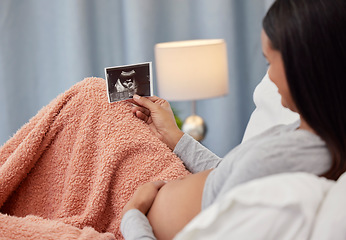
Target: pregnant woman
<point>304,44</point>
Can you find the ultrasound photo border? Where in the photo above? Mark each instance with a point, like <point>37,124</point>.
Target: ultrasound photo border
<point>128,67</point>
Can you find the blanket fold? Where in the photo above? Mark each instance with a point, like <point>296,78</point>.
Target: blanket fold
<point>75,165</point>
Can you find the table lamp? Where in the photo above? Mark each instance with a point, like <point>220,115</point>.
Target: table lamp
<point>192,70</point>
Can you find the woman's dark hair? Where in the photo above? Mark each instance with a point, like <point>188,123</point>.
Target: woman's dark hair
<point>311,37</point>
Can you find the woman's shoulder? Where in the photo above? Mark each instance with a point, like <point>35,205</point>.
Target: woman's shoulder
<point>279,140</point>
<point>285,136</point>
<point>288,150</point>
<point>281,147</point>
<point>284,141</point>
<point>279,129</point>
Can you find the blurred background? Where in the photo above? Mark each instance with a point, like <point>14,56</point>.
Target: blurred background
<point>47,46</point>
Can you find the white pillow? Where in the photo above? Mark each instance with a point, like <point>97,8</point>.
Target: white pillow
<point>269,111</point>
<point>277,207</point>
<point>331,220</point>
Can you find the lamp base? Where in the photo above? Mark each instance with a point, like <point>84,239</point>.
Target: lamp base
<point>195,127</point>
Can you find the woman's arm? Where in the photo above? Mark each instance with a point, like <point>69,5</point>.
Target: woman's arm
<point>134,224</point>
<point>157,113</point>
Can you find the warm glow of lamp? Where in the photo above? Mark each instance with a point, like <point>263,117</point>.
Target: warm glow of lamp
<point>192,70</point>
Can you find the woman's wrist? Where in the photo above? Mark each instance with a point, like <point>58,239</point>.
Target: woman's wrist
<point>173,138</point>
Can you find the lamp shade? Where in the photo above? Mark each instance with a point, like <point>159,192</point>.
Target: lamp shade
<point>191,70</point>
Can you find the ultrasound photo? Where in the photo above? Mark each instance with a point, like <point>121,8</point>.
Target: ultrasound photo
<point>127,80</point>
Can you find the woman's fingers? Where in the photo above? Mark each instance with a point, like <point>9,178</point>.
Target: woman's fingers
<point>144,197</point>
<point>141,109</point>
<point>146,102</point>
<point>154,98</point>
<point>143,117</point>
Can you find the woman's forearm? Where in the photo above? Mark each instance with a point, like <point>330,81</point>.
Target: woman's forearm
<point>195,156</point>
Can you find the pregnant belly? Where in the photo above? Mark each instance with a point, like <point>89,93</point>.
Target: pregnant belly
<point>176,204</point>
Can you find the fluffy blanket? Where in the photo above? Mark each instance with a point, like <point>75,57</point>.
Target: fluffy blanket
<point>69,171</point>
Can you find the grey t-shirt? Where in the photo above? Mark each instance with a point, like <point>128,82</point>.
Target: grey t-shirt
<point>283,148</point>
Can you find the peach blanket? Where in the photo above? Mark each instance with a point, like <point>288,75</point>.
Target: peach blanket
<point>69,171</point>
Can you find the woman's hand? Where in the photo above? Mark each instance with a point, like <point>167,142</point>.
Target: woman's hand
<point>157,113</point>
<point>144,197</point>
